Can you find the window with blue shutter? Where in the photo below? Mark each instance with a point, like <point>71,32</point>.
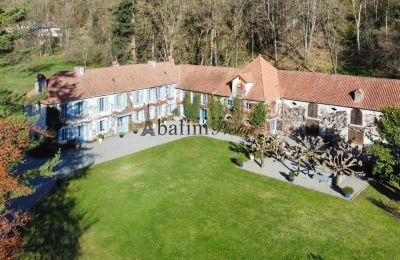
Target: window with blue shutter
<point>70,111</point>
<point>106,104</point>
<point>116,105</point>
<point>87,132</point>
<point>101,104</point>
<point>125,100</point>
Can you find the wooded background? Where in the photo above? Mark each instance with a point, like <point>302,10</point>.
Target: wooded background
<point>340,36</point>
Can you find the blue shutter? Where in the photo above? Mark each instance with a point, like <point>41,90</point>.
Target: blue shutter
<point>125,100</point>
<point>59,137</point>
<point>134,99</point>
<point>86,131</point>
<point>70,134</point>
<point>125,123</point>
<point>106,104</point>
<point>97,126</point>
<point>70,109</point>
<point>107,125</point>
<point>98,105</point>
<point>85,108</point>
<point>116,102</point>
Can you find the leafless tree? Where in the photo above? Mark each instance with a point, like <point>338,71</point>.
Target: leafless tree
<point>342,160</point>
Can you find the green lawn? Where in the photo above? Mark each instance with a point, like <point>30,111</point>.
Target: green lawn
<point>187,200</point>
<point>21,77</point>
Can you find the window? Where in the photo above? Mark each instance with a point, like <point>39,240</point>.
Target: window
<point>313,110</point>
<point>102,126</point>
<point>358,96</point>
<point>193,96</point>
<point>203,99</point>
<point>63,111</point>
<point>158,93</point>
<point>119,121</point>
<point>272,125</point>
<point>120,100</point>
<point>79,108</point>
<point>249,106</point>
<point>229,102</point>
<point>356,117</point>
<point>101,104</point>
<point>64,134</point>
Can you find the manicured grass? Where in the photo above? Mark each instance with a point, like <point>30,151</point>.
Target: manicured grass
<point>187,200</point>
<point>21,77</point>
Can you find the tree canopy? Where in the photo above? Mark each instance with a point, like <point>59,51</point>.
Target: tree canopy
<point>387,149</point>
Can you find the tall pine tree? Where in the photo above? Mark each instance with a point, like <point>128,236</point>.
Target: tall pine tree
<point>123,30</point>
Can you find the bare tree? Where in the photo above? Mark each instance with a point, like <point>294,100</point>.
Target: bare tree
<point>342,160</point>
<point>357,8</point>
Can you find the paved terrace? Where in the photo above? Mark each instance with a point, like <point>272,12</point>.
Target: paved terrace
<point>115,147</point>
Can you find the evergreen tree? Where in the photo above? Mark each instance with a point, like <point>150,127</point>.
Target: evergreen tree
<point>123,30</point>
<point>237,110</point>
<point>258,115</point>
<point>9,18</point>
<point>387,149</point>
<point>191,109</point>
<point>216,111</point>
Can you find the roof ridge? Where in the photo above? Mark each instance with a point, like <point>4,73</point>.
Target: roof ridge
<point>338,75</point>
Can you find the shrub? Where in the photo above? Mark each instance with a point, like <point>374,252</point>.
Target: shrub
<point>292,175</point>
<point>100,136</point>
<point>241,159</point>
<point>348,190</point>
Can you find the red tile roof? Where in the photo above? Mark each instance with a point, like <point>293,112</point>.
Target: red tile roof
<point>206,79</point>
<point>265,79</point>
<point>67,86</point>
<point>269,83</point>
<point>338,89</point>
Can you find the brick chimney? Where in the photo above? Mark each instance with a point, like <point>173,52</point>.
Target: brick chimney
<point>79,71</point>
<point>40,84</point>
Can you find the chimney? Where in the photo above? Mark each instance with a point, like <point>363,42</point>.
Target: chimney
<point>152,63</point>
<point>115,63</point>
<point>40,84</point>
<point>80,71</point>
<point>171,59</point>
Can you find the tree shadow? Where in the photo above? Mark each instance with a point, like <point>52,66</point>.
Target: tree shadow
<point>36,68</point>
<point>238,148</point>
<point>57,224</point>
<point>313,256</point>
<point>392,207</point>
<point>386,189</point>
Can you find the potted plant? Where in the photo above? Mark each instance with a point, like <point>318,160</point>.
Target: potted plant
<point>240,160</point>
<point>135,130</point>
<point>100,138</point>
<point>347,191</point>
<point>291,176</point>
<point>121,135</point>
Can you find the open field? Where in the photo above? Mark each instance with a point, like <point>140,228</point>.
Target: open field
<point>187,200</point>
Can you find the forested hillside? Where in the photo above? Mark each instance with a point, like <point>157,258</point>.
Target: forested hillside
<point>338,36</point>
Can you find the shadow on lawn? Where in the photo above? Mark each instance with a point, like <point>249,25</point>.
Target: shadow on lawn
<point>57,224</point>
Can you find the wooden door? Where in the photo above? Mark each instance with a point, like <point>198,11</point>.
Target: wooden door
<point>356,136</point>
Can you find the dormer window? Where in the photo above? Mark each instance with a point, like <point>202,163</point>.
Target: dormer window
<point>358,96</point>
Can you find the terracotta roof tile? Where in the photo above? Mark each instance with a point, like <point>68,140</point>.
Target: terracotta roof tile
<point>338,89</point>
<point>207,79</point>
<point>265,79</point>
<point>67,86</point>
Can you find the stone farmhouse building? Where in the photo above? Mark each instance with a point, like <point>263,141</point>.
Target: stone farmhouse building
<point>105,100</point>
